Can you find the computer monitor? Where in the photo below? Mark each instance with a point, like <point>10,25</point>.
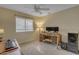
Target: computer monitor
<point>52,29</point>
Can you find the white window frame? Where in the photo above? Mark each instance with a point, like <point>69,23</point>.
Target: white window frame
<point>26,25</point>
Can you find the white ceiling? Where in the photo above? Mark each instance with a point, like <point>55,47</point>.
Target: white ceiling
<point>28,8</point>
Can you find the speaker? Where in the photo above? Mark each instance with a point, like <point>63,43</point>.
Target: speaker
<point>72,38</point>
<point>64,45</point>
<point>73,42</point>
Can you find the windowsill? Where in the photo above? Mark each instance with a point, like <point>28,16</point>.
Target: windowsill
<point>26,32</point>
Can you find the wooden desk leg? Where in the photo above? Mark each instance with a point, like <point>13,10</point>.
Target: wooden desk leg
<point>58,41</point>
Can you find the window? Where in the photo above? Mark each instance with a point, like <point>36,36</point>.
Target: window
<point>24,24</point>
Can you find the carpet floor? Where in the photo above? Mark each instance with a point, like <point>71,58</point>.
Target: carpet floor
<point>41,48</point>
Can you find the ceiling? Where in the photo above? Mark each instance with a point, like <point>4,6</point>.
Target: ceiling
<point>29,8</point>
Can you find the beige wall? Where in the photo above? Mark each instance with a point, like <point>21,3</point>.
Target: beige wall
<point>67,21</point>
<point>7,22</point>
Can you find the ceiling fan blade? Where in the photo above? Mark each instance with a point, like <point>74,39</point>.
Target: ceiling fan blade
<point>44,9</point>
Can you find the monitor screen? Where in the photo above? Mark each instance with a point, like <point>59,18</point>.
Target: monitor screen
<point>52,29</point>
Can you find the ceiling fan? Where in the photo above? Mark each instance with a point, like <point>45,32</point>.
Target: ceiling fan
<point>39,9</point>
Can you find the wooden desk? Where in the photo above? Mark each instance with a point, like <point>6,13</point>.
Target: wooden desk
<point>56,38</point>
